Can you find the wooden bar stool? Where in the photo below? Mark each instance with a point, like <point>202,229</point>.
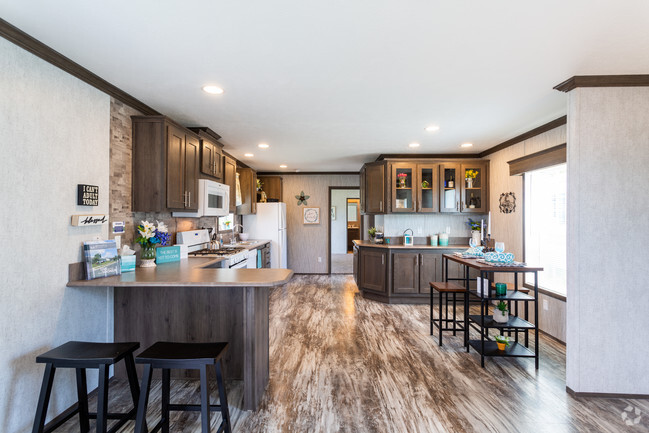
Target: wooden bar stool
<point>81,355</point>
<point>442,323</point>
<point>167,355</point>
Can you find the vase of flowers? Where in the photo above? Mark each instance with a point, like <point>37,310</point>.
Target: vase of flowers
<point>149,238</point>
<point>470,175</point>
<point>401,180</point>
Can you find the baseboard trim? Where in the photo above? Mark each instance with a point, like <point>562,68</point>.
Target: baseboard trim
<point>606,395</point>
<point>552,337</point>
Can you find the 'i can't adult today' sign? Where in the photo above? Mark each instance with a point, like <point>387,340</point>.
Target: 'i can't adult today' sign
<point>87,195</point>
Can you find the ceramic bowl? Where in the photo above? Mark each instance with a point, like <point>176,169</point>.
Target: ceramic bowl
<point>499,257</point>
<point>243,236</point>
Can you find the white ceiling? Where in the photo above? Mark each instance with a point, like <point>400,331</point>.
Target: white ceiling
<point>332,84</point>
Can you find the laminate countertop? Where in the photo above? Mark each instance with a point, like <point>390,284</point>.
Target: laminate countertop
<point>360,243</point>
<point>191,272</point>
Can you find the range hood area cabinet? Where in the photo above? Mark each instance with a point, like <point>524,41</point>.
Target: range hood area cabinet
<point>166,158</point>
<point>424,186</point>
<point>211,153</point>
<point>248,184</point>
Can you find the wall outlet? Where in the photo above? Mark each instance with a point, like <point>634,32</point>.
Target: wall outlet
<point>546,305</point>
<point>319,259</point>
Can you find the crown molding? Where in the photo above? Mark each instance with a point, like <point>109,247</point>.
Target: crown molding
<point>23,40</point>
<point>602,81</point>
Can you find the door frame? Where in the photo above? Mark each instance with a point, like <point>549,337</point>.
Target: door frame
<point>331,188</point>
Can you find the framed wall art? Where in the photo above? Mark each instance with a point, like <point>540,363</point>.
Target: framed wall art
<point>311,215</point>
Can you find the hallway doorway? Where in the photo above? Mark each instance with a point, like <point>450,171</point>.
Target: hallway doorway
<point>344,227</point>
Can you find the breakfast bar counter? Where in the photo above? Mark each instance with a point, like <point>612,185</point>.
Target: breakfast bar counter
<point>188,301</point>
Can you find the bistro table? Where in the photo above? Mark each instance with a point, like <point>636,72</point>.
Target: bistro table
<point>484,321</point>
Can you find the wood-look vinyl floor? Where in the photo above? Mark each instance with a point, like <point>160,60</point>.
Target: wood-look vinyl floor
<point>340,363</point>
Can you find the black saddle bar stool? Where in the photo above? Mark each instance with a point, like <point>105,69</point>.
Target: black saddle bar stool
<point>168,355</point>
<point>81,355</point>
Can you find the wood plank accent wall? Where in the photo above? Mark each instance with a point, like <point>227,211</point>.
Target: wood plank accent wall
<point>307,242</point>
<point>545,158</point>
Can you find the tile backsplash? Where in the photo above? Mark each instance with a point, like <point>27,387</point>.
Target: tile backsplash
<point>426,225</point>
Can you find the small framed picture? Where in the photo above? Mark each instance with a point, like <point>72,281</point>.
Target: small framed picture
<point>333,213</point>
<point>311,215</point>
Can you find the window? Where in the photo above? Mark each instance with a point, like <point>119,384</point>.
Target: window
<point>545,226</point>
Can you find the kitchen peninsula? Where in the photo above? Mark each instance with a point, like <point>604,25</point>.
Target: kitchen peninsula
<point>192,301</point>
<point>399,274</point>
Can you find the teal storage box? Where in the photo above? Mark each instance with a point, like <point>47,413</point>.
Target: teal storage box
<point>127,263</point>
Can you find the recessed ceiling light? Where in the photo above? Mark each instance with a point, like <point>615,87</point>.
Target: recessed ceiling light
<point>283,166</point>
<point>413,145</point>
<point>263,146</point>
<point>248,155</point>
<point>466,145</point>
<point>432,128</point>
<point>213,90</point>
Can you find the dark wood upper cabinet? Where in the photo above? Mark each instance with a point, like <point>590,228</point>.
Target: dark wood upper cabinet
<point>375,174</point>
<point>362,194</point>
<point>449,187</point>
<point>427,191</point>
<point>403,187</point>
<point>211,153</point>
<point>165,165</point>
<point>272,186</point>
<point>474,195</point>
<point>248,185</point>
<point>192,157</point>
<point>230,179</point>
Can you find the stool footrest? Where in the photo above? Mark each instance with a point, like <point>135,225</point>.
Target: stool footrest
<point>193,407</point>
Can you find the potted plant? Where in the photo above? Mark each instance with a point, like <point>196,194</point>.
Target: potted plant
<point>149,238</point>
<point>470,175</point>
<point>372,232</point>
<point>425,184</point>
<point>475,231</point>
<point>501,313</point>
<point>502,341</point>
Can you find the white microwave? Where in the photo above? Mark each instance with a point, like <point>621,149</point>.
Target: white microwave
<point>213,200</point>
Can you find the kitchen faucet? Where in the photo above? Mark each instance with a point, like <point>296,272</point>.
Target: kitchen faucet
<point>234,233</point>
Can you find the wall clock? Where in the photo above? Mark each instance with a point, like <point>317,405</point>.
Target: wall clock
<point>311,215</point>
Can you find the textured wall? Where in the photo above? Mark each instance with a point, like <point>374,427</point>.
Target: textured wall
<point>339,225</point>
<point>508,228</point>
<point>54,134</point>
<point>306,242</point>
<point>608,133</point>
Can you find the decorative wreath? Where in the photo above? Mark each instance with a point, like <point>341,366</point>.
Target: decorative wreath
<point>507,202</point>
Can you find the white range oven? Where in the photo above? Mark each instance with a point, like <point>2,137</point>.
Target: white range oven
<point>198,243</point>
<point>213,200</point>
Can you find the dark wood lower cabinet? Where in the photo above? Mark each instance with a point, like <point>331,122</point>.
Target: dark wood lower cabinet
<point>373,270</point>
<point>394,274</point>
<point>405,272</point>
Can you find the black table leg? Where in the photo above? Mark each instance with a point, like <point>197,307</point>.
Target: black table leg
<point>536,319</point>
<point>166,391</point>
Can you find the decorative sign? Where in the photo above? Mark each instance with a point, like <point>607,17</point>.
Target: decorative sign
<point>118,227</point>
<point>89,220</point>
<point>311,215</point>
<point>87,195</point>
<point>507,202</point>
<point>167,254</point>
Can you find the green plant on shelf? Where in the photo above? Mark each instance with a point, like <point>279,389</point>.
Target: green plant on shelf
<point>502,307</point>
<point>502,339</point>
<point>425,184</point>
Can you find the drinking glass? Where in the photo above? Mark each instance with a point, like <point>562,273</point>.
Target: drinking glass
<point>500,247</point>
<point>472,242</point>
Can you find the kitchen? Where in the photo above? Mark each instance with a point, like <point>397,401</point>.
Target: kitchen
<point>43,120</point>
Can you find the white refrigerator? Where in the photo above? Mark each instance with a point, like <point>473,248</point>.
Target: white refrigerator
<point>269,223</point>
